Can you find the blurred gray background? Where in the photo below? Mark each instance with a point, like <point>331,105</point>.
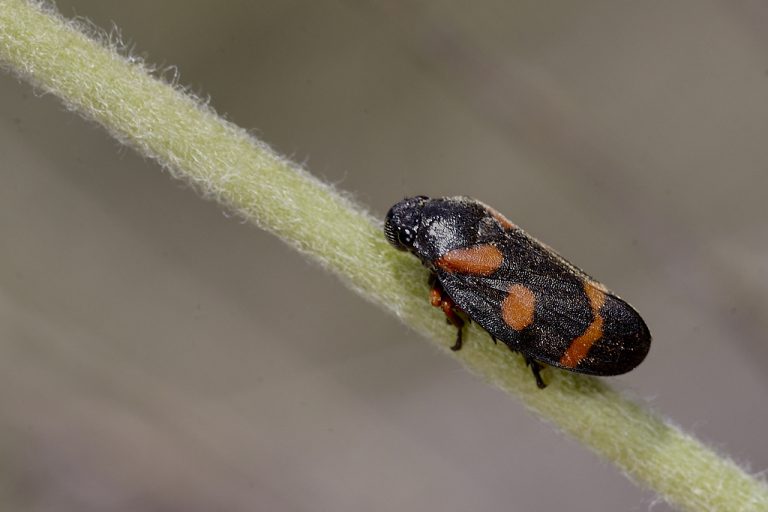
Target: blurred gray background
<point>157,355</point>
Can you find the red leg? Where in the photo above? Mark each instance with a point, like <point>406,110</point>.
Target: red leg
<point>438,299</point>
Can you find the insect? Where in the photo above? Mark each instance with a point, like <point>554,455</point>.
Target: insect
<point>486,269</point>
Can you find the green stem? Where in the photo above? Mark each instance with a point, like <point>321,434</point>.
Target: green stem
<point>226,163</point>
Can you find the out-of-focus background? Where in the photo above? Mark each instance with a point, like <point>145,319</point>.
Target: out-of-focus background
<point>139,369</point>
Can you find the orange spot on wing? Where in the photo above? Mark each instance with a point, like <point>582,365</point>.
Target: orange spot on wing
<point>481,260</point>
<point>596,284</point>
<point>518,307</point>
<point>580,346</point>
<point>505,222</point>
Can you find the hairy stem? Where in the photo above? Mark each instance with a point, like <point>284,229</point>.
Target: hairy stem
<point>226,163</point>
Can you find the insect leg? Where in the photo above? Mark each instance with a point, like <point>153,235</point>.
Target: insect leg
<point>455,319</point>
<point>536,367</point>
<point>438,299</point>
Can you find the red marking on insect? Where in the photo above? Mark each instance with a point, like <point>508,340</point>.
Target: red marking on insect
<point>518,307</point>
<point>482,260</point>
<point>580,346</point>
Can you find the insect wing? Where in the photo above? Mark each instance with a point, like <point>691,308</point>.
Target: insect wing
<point>541,305</point>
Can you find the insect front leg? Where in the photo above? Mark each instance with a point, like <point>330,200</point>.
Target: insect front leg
<point>439,299</point>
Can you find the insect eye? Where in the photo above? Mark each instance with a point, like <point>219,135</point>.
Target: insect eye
<point>402,221</point>
<point>406,236</point>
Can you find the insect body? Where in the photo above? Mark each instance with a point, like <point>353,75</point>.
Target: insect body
<point>518,289</point>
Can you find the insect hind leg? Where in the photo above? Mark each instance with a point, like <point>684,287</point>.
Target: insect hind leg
<point>536,368</point>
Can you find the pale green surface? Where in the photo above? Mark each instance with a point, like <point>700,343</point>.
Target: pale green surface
<point>224,162</point>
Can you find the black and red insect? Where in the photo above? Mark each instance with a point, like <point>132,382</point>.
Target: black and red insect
<point>486,269</point>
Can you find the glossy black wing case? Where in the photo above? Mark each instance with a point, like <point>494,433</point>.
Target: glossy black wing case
<point>526,295</point>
